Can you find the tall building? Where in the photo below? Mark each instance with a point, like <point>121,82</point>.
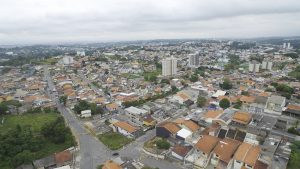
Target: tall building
<point>67,60</point>
<point>194,60</point>
<point>254,67</point>
<point>288,45</point>
<point>284,45</point>
<point>267,65</point>
<point>169,66</point>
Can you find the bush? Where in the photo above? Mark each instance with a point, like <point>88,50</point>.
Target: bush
<point>201,101</point>
<point>224,103</point>
<point>163,144</point>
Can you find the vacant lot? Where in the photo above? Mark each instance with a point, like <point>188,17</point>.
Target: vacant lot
<point>114,141</point>
<point>36,121</point>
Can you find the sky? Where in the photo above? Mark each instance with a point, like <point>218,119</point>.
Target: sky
<point>61,21</point>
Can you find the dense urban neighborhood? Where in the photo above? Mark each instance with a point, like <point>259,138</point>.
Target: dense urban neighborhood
<point>167,104</point>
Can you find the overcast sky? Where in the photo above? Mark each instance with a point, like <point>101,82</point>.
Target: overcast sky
<point>58,21</point>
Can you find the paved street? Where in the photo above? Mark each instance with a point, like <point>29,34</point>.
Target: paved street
<point>92,151</point>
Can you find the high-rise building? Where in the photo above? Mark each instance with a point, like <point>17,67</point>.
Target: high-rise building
<point>267,65</point>
<point>284,45</point>
<point>288,45</point>
<point>169,66</point>
<point>194,60</point>
<point>254,67</point>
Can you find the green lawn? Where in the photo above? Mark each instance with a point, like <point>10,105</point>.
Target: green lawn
<point>114,141</point>
<point>36,121</point>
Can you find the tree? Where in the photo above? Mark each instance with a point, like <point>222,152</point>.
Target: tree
<point>194,78</point>
<point>224,103</point>
<point>226,85</point>
<point>162,144</point>
<point>3,108</point>
<point>63,99</point>
<point>201,101</point>
<point>238,105</point>
<point>56,131</point>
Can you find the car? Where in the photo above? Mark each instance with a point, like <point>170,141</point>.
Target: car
<point>115,154</point>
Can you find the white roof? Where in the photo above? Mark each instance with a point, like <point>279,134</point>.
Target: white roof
<point>64,167</point>
<point>219,93</point>
<point>135,110</point>
<point>184,133</point>
<point>86,111</point>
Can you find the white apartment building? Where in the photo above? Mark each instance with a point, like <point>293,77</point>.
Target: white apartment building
<point>194,60</point>
<point>169,66</point>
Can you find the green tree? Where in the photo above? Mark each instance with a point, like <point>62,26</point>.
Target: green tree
<point>63,99</point>
<point>201,101</point>
<point>294,161</point>
<point>163,144</point>
<point>226,85</point>
<point>55,131</point>
<point>194,78</point>
<point>238,105</point>
<point>3,108</point>
<point>224,103</point>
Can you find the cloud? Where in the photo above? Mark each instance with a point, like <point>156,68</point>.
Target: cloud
<point>36,21</point>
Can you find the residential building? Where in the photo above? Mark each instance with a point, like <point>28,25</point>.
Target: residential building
<point>275,105</point>
<point>169,67</point>
<point>125,129</point>
<point>194,60</point>
<point>223,153</point>
<point>246,156</point>
<point>136,114</point>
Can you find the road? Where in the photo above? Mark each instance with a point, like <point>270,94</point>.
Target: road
<point>92,152</point>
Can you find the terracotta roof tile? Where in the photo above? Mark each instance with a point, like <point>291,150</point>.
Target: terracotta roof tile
<point>242,117</point>
<point>207,143</point>
<point>125,126</point>
<point>171,127</point>
<point>226,148</point>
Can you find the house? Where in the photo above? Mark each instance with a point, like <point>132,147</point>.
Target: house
<point>184,134</point>
<point>211,130</point>
<point>63,158</point>
<point>64,167</point>
<point>241,118</point>
<point>112,107</point>
<point>181,97</point>
<point>219,93</point>
<point>222,156</point>
<point>167,129</point>
<point>187,124</point>
<point>211,114</point>
<point>275,104</point>
<point>292,110</point>
<point>136,114</point>
<point>149,121</point>
<point>111,165</point>
<point>125,129</point>
<point>204,148</point>
<point>258,106</point>
<point>246,156</point>
<point>45,163</point>
<point>86,113</point>
<point>181,151</point>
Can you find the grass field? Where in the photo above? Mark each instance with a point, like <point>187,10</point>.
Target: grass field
<point>36,121</point>
<point>114,141</point>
